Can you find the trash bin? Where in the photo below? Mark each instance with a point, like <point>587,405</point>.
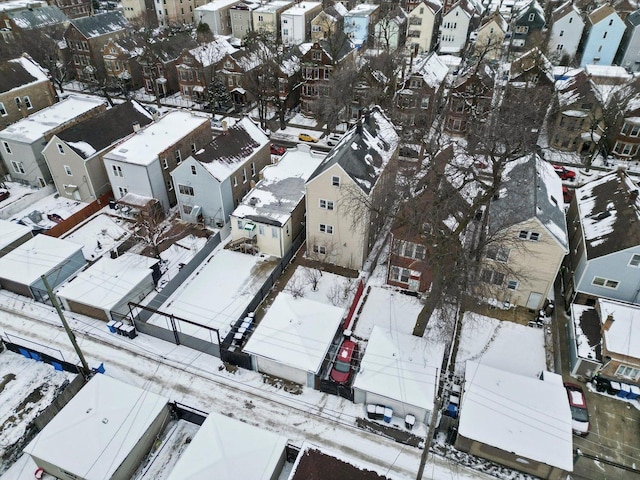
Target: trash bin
<point>409,421</point>
<point>634,392</point>
<point>615,388</point>
<point>379,412</point>
<point>624,391</point>
<point>129,331</point>
<point>371,411</point>
<point>112,204</point>
<point>112,326</point>
<point>118,327</point>
<point>388,413</point>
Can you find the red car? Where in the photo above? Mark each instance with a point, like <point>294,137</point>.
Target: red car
<point>341,371</point>
<point>579,411</point>
<point>4,194</point>
<point>54,217</point>
<point>563,173</point>
<point>277,149</point>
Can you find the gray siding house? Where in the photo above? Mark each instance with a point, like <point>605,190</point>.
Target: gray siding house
<point>631,43</point>
<point>21,143</point>
<point>604,235</point>
<point>74,156</point>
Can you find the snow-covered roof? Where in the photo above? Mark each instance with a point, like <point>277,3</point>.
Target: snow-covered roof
<point>101,228</point>
<point>36,257</point>
<point>37,125</point>
<point>607,71</point>
<point>40,17</point>
<point>362,10</point>
<point>525,416</point>
<point>281,189</point>
<point>364,151</point>
<point>402,367</point>
<point>229,151</point>
<point>610,219</point>
<point>12,5</point>
<point>296,332</point>
<point>217,5</point>
<point>302,8</point>
<point>109,281</point>
<point>217,293</point>
<point>431,69</point>
<point>18,73</point>
<point>229,448</point>
<point>143,147</point>
<point>623,335</point>
<point>586,325</point>
<point>102,24</point>
<point>10,232</point>
<point>211,53</point>
<point>274,6</point>
<point>531,189</point>
<point>98,429</point>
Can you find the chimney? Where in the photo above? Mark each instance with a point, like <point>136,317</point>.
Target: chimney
<point>607,323</point>
<point>136,126</point>
<point>633,196</point>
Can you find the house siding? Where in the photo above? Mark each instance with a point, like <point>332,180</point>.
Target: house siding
<point>565,36</point>
<point>631,57</point>
<point>598,49</point>
<point>41,95</point>
<point>612,267</point>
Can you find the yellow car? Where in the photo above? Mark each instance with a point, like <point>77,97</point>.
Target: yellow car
<point>305,137</point>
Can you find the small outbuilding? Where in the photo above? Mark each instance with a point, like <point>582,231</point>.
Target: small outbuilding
<point>12,235</point>
<point>228,448</point>
<point>104,289</point>
<point>293,338</point>
<point>103,432</point>
<point>21,269</point>
<point>515,420</point>
<point>399,371</point>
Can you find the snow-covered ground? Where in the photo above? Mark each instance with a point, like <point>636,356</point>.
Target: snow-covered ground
<point>331,289</point>
<point>389,309</point>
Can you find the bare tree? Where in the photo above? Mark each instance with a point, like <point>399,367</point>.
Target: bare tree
<point>313,276</point>
<point>295,286</point>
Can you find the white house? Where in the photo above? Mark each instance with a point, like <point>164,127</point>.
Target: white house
<point>605,29</point>
<point>295,22</point>
<point>565,33</point>
<point>272,214</point>
<point>454,28</point>
<point>210,183</point>
<point>399,371</point>
<point>266,18</point>
<point>359,21</point>
<point>104,431</point>
<point>105,288</point>
<point>521,422</point>
<point>424,21</point>
<point>293,338</point>
<point>216,15</point>
<point>230,448</point>
<point>22,268</point>
<point>135,165</point>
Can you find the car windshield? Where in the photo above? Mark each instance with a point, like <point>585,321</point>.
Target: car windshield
<point>579,414</point>
<point>342,367</point>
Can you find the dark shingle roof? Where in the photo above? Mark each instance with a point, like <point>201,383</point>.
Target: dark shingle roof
<point>170,48</point>
<point>106,128</point>
<point>102,24</point>
<point>38,17</point>
<point>316,465</point>
<point>13,75</point>
<point>233,145</point>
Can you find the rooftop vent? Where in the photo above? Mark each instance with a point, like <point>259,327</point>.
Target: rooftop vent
<point>253,201</point>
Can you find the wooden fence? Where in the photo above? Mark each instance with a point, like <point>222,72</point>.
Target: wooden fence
<point>80,216</point>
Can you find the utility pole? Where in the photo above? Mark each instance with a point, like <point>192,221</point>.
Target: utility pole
<point>72,337</point>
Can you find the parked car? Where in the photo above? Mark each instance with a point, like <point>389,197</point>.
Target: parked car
<point>341,371</point>
<point>277,149</point>
<point>563,173</point>
<point>305,137</point>
<point>579,411</point>
<point>54,217</point>
<point>4,194</point>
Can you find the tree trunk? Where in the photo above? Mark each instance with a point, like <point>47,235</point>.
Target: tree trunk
<point>430,304</point>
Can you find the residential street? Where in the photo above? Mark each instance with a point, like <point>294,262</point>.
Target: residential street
<point>194,379</point>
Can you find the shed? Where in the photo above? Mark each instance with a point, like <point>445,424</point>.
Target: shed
<point>105,288</point>
<point>515,420</point>
<point>103,432</point>
<point>293,338</point>
<point>228,448</point>
<point>399,371</point>
<point>22,268</point>
<point>12,235</point>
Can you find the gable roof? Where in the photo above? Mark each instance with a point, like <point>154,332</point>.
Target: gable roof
<point>623,334</point>
<point>104,129</point>
<point>575,89</point>
<point>20,72</point>
<point>495,17</point>
<point>212,52</point>
<point>314,463</point>
<point>564,10</point>
<point>530,189</point>
<point>633,18</point>
<point>523,415</point>
<point>44,16</point>
<point>169,48</point>
<point>101,24</point>
<point>609,216</point>
<point>365,150</point>
<point>227,152</point>
<point>533,7</point>
<point>529,60</point>
<point>600,13</point>
<point>432,70</point>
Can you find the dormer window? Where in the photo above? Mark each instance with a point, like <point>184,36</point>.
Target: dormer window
<point>532,17</point>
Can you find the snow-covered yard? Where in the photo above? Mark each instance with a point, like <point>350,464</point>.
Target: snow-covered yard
<point>330,288</point>
<point>390,309</point>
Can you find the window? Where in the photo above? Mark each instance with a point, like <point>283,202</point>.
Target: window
<point>169,185</point>
<point>193,148</point>
<point>512,285</point>
<point>235,181</point>
<point>604,35</point>
<point>532,17</point>
<point>240,225</point>
<point>244,175</point>
<point>3,111</point>
<point>122,191</point>
<point>260,229</point>
<point>27,102</point>
<point>187,209</point>
<point>178,156</point>
<point>253,169</point>
<point>399,274</point>
<point>274,232</point>
<point>18,167</point>
<point>604,282</point>
<point>335,181</point>
<point>326,228</point>
<point>319,249</point>
<point>491,276</point>
<point>611,22</point>
<point>497,253</point>
<point>165,163</point>
<point>193,170</point>
<point>326,204</point>
<point>117,170</point>
<point>186,190</point>
<point>18,103</point>
<point>67,170</point>
<point>525,235</point>
<point>628,372</point>
<point>635,260</point>
<point>561,33</point>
